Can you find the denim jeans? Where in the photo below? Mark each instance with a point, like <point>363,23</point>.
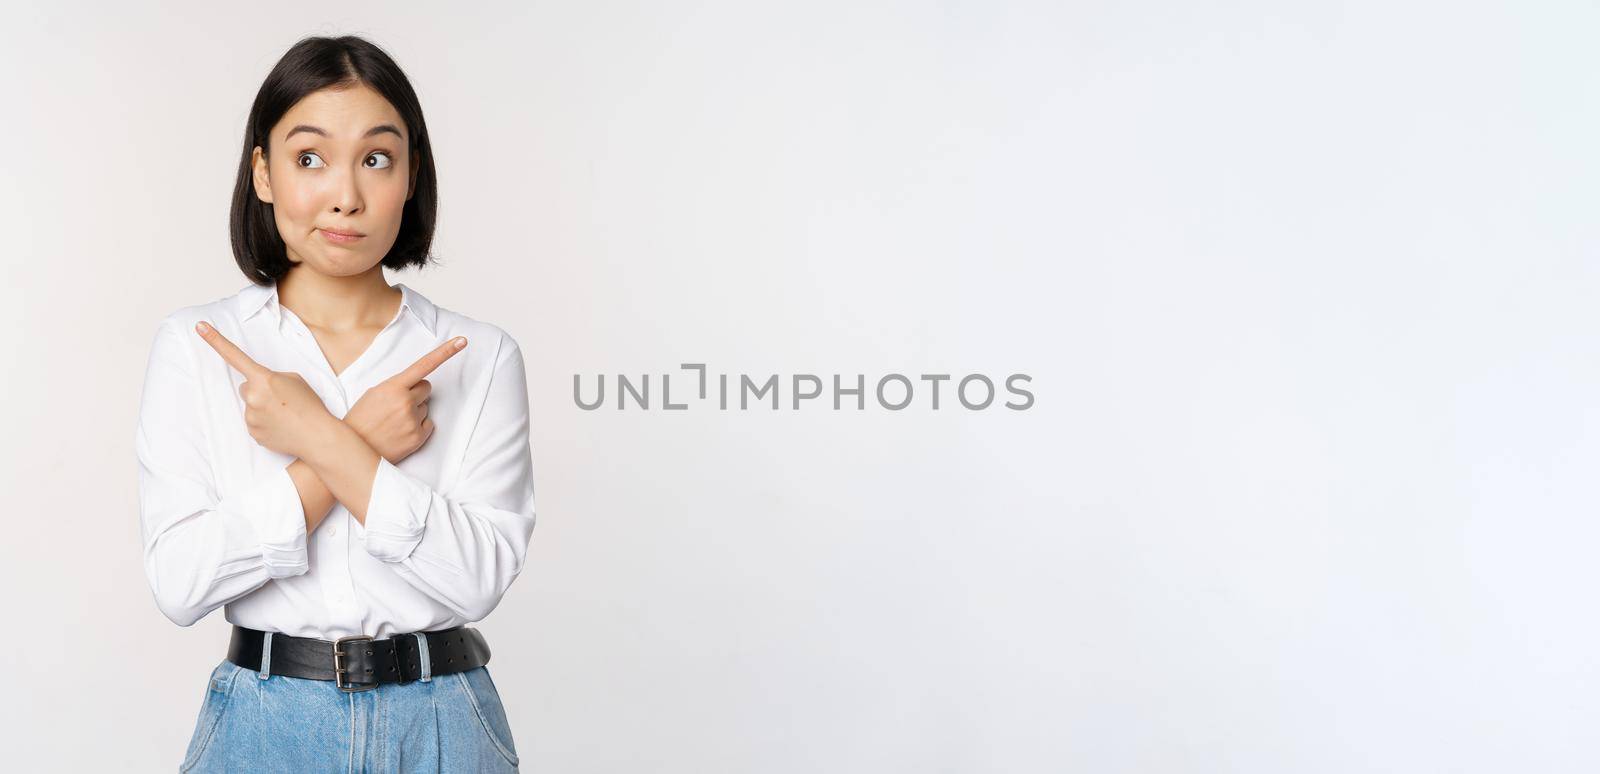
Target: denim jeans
<point>257,721</point>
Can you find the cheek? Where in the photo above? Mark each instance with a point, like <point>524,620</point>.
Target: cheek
<point>293,204</point>
<point>393,190</point>
<point>389,199</point>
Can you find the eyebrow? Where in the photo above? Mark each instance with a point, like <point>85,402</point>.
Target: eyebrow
<point>379,129</point>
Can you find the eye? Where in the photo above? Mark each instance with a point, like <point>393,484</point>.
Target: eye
<point>386,160</point>
<point>299,160</point>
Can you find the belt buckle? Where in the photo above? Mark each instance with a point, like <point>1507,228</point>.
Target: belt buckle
<point>339,665</point>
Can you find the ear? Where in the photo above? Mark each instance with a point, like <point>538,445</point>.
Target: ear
<point>263,183</point>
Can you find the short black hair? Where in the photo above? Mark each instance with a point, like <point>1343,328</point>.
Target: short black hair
<point>313,64</point>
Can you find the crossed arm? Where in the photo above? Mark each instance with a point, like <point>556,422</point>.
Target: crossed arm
<point>461,546</point>
<point>336,459</point>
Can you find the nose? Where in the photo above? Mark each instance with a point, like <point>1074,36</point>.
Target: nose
<point>347,195</point>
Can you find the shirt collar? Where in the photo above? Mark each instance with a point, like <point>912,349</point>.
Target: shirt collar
<point>253,298</point>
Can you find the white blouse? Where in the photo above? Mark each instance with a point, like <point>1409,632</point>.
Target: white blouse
<point>447,528</point>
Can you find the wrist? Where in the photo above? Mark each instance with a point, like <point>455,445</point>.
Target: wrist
<point>354,423</point>
<point>328,435</point>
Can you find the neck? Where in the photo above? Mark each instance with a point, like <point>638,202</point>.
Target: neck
<point>339,303</point>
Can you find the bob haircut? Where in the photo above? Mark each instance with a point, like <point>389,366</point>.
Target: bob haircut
<point>313,64</point>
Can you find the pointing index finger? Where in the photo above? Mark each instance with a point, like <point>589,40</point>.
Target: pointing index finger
<point>425,365</point>
<point>230,352</point>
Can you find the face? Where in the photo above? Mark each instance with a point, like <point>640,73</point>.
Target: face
<point>338,163</point>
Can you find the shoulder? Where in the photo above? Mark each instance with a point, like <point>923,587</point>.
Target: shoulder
<point>221,312</point>
<point>492,353</point>
<point>487,336</point>
<point>176,329</point>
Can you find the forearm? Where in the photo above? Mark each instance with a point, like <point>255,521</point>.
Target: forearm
<point>315,498</point>
<point>344,464</point>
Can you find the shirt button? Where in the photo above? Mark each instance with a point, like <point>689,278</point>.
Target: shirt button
<point>333,532</point>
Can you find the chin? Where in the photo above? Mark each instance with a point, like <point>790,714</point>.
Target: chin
<point>352,268</point>
<point>343,266</point>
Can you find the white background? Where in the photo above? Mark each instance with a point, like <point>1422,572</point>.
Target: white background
<point>1307,292</point>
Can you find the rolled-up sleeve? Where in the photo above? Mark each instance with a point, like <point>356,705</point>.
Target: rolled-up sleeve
<point>463,547</point>
<point>202,551</point>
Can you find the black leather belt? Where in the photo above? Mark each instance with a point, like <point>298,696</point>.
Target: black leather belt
<point>360,663</point>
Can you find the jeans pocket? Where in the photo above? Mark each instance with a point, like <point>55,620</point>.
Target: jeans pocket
<point>218,688</point>
<point>485,699</point>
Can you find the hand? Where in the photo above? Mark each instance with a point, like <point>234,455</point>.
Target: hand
<point>282,412</point>
<point>392,416</point>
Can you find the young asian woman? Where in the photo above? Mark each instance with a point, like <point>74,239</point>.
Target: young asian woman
<point>341,464</point>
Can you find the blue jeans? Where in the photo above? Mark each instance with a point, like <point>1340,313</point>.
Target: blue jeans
<point>258,721</point>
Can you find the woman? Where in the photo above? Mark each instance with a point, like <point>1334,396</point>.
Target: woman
<point>324,456</point>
